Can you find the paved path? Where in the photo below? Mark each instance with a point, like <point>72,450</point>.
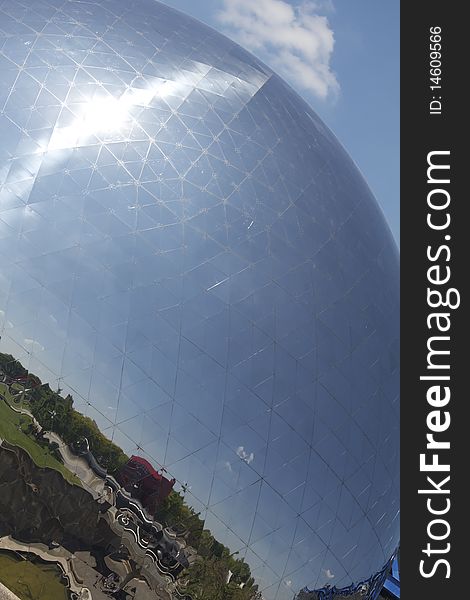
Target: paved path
<point>79,466</point>
<point>5,593</point>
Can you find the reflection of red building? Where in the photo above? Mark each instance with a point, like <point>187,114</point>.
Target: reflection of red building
<point>143,482</point>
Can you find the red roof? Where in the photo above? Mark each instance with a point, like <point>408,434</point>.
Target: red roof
<point>151,471</point>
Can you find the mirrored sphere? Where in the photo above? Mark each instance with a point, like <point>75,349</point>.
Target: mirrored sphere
<point>191,260</point>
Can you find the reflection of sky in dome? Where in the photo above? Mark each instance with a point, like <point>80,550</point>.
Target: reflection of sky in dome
<point>187,250</point>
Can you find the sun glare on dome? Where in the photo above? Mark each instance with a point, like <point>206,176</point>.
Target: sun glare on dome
<point>105,114</point>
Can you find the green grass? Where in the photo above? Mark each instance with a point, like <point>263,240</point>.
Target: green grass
<point>5,391</point>
<point>16,400</point>
<point>10,430</point>
<point>31,581</point>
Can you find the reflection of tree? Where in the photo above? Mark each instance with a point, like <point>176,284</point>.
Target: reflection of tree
<point>174,513</point>
<point>12,367</point>
<point>207,577</point>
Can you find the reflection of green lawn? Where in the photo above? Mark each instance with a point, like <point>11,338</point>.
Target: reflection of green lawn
<point>10,423</point>
<point>5,391</point>
<point>28,580</point>
<point>14,399</point>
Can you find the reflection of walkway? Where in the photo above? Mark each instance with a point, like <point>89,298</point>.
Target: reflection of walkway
<point>79,466</point>
<point>76,464</point>
<point>23,411</point>
<point>5,593</point>
<point>60,556</point>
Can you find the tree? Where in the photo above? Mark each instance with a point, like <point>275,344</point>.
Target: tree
<point>12,367</point>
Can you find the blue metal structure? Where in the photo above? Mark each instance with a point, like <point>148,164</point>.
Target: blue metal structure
<point>392,583</point>
<point>369,588</point>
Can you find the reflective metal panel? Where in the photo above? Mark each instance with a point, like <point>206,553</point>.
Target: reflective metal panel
<point>191,260</point>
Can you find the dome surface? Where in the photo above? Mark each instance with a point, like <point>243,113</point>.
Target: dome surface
<point>189,253</point>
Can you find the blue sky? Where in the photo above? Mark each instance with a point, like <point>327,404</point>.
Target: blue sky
<point>343,58</point>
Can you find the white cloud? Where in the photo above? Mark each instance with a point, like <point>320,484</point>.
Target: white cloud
<point>244,455</point>
<point>34,345</point>
<point>295,40</point>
